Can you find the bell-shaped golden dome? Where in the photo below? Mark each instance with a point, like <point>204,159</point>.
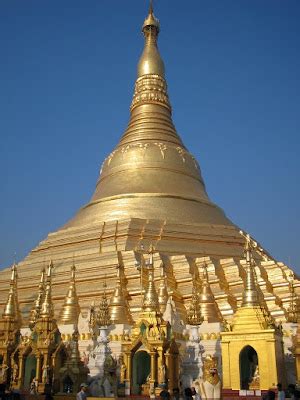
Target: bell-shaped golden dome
<point>150,174</point>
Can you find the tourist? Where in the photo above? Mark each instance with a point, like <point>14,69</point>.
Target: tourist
<point>280,394</point>
<point>164,394</point>
<point>188,394</point>
<point>32,389</point>
<point>176,394</point>
<point>270,395</point>
<point>294,394</point>
<point>196,396</point>
<point>81,395</point>
<point>48,391</point>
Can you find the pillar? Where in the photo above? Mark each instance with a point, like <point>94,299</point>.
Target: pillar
<point>153,366</point>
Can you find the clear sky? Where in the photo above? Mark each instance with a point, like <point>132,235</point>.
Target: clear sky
<point>67,71</point>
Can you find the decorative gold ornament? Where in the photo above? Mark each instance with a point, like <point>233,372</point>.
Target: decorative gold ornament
<point>71,309</point>
<point>35,311</point>
<point>103,315</point>
<point>194,316</point>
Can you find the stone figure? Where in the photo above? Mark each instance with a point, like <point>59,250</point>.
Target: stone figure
<point>3,373</point>
<point>45,373</point>
<point>15,372</point>
<point>122,370</point>
<point>162,374</point>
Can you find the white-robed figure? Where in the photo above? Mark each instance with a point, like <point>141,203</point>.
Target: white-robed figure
<point>210,383</point>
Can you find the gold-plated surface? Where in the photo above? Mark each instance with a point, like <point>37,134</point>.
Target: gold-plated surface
<point>150,301</point>
<point>47,310</point>
<point>118,307</point>
<point>150,190</point>
<point>252,326</point>
<point>250,296</point>
<point>293,311</point>
<point>103,317</point>
<point>163,290</point>
<point>150,174</point>
<point>194,316</point>
<point>71,309</point>
<point>11,309</point>
<point>35,311</point>
<point>208,306</point>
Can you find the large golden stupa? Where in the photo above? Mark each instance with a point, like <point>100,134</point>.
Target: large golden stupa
<point>150,201</point>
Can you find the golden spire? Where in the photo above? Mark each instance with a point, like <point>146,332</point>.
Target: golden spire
<point>35,312</point>
<point>194,316</point>
<point>47,310</point>
<point>162,290</point>
<point>150,62</point>
<point>11,309</point>
<point>103,317</point>
<point>209,308</point>
<point>119,308</point>
<point>293,311</point>
<point>150,301</point>
<point>151,150</point>
<point>71,309</point>
<point>250,295</point>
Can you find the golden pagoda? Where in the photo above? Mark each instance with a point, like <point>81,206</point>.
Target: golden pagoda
<point>150,193</point>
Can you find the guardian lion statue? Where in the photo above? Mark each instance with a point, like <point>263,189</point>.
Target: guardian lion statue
<point>209,385</point>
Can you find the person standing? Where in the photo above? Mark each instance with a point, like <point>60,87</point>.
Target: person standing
<point>280,394</point>
<point>81,395</point>
<point>196,396</point>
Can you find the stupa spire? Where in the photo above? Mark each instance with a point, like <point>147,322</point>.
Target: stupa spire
<point>293,311</point>
<point>118,307</point>
<point>150,164</point>
<point>71,309</point>
<point>103,317</point>
<point>47,310</point>
<point>250,295</point>
<point>209,308</point>
<point>150,301</point>
<point>35,312</point>
<point>163,290</point>
<point>194,316</point>
<point>11,309</point>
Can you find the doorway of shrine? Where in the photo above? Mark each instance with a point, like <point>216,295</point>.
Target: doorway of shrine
<point>30,370</point>
<point>141,369</point>
<point>248,366</point>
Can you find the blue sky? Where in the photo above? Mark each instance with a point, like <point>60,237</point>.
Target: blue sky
<point>67,72</point>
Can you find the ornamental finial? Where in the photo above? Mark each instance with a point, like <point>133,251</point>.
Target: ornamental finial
<point>35,311</point>
<point>11,309</point>
<point>250,296</point>
<point>103,317</point>
<point>194,316</point>
<point>151,7</point>
<point>47,310</point>
<point>70,311</point>
<point>119,308</point>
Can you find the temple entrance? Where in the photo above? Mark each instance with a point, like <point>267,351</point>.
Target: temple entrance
<point>248,366</point>
<point>30,370</point>
<point>141,368</point>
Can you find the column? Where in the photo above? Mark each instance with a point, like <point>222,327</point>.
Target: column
<point>38,368</point>
<point>153,366</point>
